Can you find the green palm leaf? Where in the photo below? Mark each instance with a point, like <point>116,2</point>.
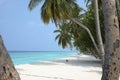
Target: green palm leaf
<point>57,37</point>
<point>57,31</point>
<point>33,3</point>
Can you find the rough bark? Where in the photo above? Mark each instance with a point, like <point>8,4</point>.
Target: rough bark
<point>7,69</point>
<point>112,41</point>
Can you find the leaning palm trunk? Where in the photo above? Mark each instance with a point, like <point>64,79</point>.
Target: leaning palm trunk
<point>89,32</point>
<point>7,69</point>
<point>112,42</point>
<point>98,30</point>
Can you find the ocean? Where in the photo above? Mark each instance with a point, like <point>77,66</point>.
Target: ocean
<point>19,58</point>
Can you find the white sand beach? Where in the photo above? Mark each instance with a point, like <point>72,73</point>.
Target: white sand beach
<point>82,67</point>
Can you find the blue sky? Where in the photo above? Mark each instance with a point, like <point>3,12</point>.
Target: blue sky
<point>23,30</point>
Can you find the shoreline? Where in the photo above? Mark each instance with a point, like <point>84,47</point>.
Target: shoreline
<point>78,67</point>
<point>20,58</point>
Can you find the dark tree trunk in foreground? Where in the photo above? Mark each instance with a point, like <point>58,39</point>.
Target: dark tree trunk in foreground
<point>112,42</point>
<point>7,69</point>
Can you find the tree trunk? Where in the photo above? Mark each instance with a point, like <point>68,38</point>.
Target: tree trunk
<point>88,31</point>
<point>98,30</point>
<point>112,42</point>
<point>7,69</point>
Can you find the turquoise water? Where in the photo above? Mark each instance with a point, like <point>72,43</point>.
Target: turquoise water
<point>31,57</point>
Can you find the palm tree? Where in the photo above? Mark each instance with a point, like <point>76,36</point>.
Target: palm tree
<point>58,10</point>
<point>53,9</point>
<point>7,69</point>
<point>64,38</point>
<point>111,63</point>
<point>67,31</point>
<point>98,30</point>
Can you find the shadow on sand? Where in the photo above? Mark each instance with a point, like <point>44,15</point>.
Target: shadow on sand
<point>83,62</point>
<point>73,62</point>
<point>49,77</point>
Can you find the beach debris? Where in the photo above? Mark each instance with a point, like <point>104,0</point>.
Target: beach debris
<point>67,60</point>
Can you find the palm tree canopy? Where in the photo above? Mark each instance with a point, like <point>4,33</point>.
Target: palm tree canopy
<point>55,10</point>
<point>63,37</point>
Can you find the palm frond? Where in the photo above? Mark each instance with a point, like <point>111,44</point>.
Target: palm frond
<point>57,37</point>
<point>87,2</point>
<point>55,31</point>
<point>33,4</point>
<point>60,41</point>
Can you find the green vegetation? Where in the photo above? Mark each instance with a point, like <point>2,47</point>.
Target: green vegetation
<point>78,36</point>
<point>69,33</point>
